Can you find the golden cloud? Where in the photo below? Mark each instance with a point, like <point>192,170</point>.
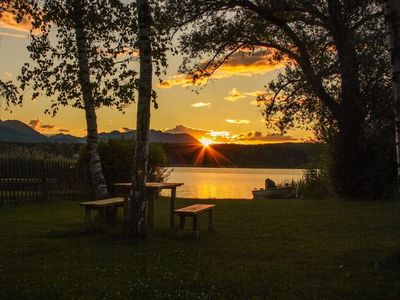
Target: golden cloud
<point>15,35</point>
<point>183,80</point>
<point>234,95</point>
<point>252,137</point>
<point>201,104</point>
<point>8,20</point>
<point>242,63</point>
<point>64,130</point>
<point>45,128</point>
<point>237,121</point>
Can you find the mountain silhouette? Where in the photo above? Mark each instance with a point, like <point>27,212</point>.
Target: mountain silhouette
<point>17,131</point>
<point>197,133</point>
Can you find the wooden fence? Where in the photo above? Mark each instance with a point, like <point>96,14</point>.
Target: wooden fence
<point>27,180</point>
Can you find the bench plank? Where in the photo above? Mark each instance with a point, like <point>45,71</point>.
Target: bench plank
<point>107,208</point>
<point>104,202</point>
<point>194,209</point>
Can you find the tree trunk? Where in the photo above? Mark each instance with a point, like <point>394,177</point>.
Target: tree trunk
<point>349,176</point>
<point>392,16</point>
<point>99,183</point>
<point>138,193</point>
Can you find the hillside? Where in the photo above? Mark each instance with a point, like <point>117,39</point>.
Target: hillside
<point>17,131</point>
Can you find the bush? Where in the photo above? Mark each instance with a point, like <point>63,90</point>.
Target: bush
<point>316,181</point>
<point>314,184</point>
<point>117,160</point>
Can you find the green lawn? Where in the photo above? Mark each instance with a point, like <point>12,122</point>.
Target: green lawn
<point>286,249</point>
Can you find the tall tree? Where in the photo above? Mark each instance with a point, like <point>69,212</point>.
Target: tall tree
<point>392,12</point>
<point>138,193</point>
<point>82,58</point>
<point>335,64</point>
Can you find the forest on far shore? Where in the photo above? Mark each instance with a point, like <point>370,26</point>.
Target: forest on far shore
<point>286,155</point>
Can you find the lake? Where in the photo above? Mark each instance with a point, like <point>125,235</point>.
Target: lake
<point>223,183</point>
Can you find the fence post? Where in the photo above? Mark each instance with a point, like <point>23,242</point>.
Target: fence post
<point>44,181</point>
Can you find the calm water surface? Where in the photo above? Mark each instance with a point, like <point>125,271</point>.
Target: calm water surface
<point>222,183</point>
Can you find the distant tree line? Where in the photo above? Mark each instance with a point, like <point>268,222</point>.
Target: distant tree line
<point>288,155</point>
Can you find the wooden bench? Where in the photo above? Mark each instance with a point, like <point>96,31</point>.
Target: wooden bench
<point>194,211</point>
<point>107,208</point>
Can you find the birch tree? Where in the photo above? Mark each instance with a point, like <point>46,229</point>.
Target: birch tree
<point>392,14</point>
<point>138,193</point>
<point>82,57</point>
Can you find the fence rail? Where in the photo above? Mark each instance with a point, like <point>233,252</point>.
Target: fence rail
<point>28,180</point>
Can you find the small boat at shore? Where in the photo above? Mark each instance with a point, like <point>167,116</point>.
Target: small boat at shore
<point>283,192</point>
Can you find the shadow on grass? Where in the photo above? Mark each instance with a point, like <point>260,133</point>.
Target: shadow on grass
<point>391,264</point>
<point>77,232</point>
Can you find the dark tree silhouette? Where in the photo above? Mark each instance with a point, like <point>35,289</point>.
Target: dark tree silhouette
<point>336,67</point>
<point>392,13</point>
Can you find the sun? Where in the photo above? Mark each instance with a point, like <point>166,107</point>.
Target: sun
<point>206,142</point>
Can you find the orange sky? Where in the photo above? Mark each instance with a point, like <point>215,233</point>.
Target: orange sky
<point>225,110</point>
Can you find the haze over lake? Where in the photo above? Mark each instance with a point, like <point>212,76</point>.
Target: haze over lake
<point>223,183</point>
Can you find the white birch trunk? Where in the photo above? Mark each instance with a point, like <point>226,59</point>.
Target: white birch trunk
<point>392,16</point>
<point>99,183</point>
<point>138,193</point>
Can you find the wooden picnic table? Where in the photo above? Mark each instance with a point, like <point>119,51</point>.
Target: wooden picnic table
<point>123,190</point>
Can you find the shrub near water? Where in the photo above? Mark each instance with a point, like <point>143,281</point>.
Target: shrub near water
<point>117,160</point>
<point>315,184</point>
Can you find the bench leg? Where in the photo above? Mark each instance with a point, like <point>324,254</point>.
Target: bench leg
<point>87,214</point>
<point>195,232</point>
<point>126,208</point>
<point>181,225</point>
<point>102,215</point>
<point>172,208</point>
<point>111,214</point>
<point>210,220</point>
<point>151,195</point>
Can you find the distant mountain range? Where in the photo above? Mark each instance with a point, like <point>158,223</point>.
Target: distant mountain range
<point>17,131</point>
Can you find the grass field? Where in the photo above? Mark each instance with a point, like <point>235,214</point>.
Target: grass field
<point>276,249</point>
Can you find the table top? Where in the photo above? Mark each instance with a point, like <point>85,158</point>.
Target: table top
<point>154,185</point>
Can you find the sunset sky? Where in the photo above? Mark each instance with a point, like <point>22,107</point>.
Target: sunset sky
<point>225,110</point>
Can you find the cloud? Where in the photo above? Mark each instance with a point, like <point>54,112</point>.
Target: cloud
<point>6,76</point>
<point>201,104</point>
<point>183,80</point>
<point>254,102</point>
<point>39,126</point>
<point>240,64</point>
<point>64,130</point>
<point>47,126</point>
<point>234,95</point>
<point>197,133</point>
<point>258,137</point>
<point>255,93</point>
<point>8,21</point>
<point>252,137</point>
<point>126,129</point>
<point>237,121</point>
<point>15,35</point>
<point>34,123</point>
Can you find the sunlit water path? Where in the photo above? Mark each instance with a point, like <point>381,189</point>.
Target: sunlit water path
<point>222,183</point>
